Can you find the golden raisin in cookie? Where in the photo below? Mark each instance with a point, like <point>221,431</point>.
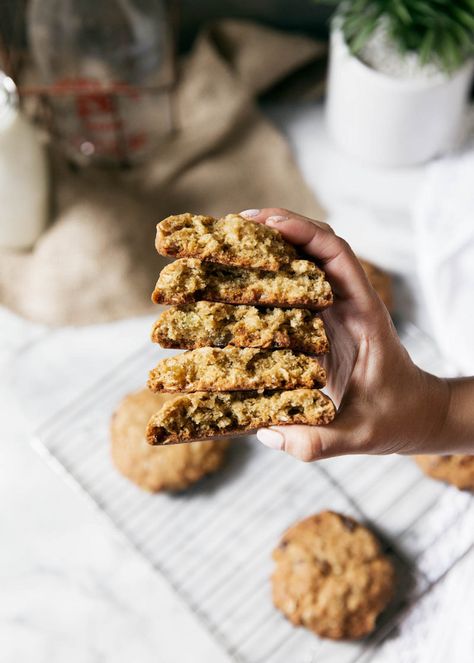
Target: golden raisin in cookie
<point>236,369</point>
<point>213,324</point>
<point>381,282</point>
<point>457,470</point>
<point>331,576</point>
<point>153,469</point>
<point>232,240</point>
<point>204,415</point>
<point>301,284</point>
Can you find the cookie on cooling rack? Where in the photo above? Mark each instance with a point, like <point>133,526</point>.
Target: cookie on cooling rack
<point>457,470</point>
<point>155,469</point>
<point>331,576</point>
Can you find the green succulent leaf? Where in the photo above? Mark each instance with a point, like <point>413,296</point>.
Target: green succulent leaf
<point>440,31</point>
<point>402,12</point>
<point>361,39</point>
<point>426,48</point>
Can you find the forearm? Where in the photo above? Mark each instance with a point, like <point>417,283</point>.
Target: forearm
<point>457,433</point>
<point>432,415</point>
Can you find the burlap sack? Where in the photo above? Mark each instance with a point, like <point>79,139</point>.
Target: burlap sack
<point>97,262</point>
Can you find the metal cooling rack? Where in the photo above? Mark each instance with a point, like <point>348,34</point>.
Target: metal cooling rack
<point>213,543</point>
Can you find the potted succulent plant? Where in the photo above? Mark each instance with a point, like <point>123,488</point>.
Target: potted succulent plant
<point>399,76</point>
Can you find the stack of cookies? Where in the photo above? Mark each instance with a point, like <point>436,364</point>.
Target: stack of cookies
<point>245,309</point>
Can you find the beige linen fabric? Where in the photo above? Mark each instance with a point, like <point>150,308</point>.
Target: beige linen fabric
<point>96,261</point>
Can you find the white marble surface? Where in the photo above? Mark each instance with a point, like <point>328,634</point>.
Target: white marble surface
<point>71,589</point>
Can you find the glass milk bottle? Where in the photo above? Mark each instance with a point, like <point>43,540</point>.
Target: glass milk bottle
<point>103,63</point>
<point>23,174</point>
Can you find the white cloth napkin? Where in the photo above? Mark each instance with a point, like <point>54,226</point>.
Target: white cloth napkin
<point>444,237</point>
<point>444,245</point>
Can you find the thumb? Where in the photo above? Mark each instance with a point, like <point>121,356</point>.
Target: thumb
<point>344,435</point>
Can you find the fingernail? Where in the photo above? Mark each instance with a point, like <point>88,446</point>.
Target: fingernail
<point>276,219</point>
<point>270,438</point>
<point>250,213</point>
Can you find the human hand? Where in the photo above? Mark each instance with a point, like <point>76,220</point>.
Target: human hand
<point>386,404</point>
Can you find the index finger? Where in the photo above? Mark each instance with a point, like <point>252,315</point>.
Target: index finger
<point>318,240</point>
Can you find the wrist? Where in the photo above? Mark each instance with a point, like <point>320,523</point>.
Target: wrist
<point>437,406</point>
<point>432,407</point>
<point>456,436</point>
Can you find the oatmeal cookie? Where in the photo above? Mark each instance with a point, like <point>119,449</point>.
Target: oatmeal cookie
<point>216,325</point>
<point>301,284</point>
<point>204,415</point>
<point>457,470</point>
<point>232,240</point>
<point>173,468</point>
<point>236,369</point>
<point>331,576</point>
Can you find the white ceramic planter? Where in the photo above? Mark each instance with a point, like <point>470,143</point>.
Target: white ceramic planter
<point>390,121</point>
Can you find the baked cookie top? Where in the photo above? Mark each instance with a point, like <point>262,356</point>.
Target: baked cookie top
<point>300,284</point>
<point>236,369</point>
<point>231,240</point>
<point>215,324</point>
<point>457,470</point>
<point>155,469</point>
<point>203,415</point>
<point>331,576</point>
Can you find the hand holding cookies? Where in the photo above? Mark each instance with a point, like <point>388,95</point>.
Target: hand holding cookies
<point>386,404</point>
<point>286,332</point>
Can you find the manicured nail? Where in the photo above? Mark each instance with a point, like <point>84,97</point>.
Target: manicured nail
<point>276,219</point>
<point>270,438</point>
<point>250,213</point>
